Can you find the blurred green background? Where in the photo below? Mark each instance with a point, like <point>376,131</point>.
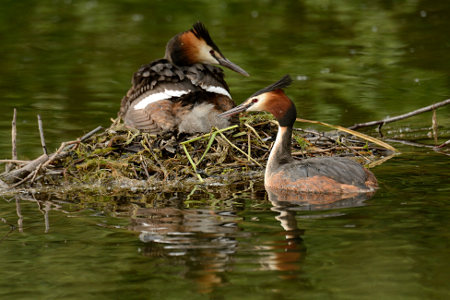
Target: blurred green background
<point>353,61</point>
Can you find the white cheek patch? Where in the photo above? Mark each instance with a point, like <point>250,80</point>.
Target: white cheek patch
<point>204,56</point>
<point>216,89</point>
<point>167,94</point>
<point>260,105</point>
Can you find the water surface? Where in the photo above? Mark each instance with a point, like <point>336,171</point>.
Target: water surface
<point>352,61</point>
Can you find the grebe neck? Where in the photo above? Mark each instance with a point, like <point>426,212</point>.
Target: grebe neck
<point>281,150</point>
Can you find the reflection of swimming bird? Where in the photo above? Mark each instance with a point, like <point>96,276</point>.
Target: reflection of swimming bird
<point>315,175</point>
<point>183,90</point>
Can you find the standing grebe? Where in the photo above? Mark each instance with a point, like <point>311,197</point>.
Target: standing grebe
<point>313,175</point>
<point>183,90</point>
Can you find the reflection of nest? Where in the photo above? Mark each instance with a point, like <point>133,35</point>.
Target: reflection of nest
<point>118,157</point>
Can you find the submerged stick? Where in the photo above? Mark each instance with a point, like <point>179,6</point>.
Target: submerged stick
<point>403,116</point>
<point>409,143</point>
<point>434,126</point>
<point>41,134</point>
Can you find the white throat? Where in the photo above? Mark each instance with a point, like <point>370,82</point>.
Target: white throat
<point>275,149</point>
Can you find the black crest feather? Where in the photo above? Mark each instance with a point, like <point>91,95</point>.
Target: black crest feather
<point>200,31</point>
<point>280,84</point>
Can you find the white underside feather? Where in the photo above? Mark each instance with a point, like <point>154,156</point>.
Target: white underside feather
<point>167,94</point>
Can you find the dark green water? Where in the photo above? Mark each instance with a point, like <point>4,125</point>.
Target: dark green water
<point>353,61</point>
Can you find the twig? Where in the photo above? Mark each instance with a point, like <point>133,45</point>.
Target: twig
<point>13,141</point>
<point>444,144</point>
<point>3,185</point>
<point>409,143</point>
<point>191,162</point>
<point>380,161</point>
<point>212,136</point>
<point>254,131</point>
<point>352,132</point>
<point>14,161</point>
<point>145,141</point>
<point>403,116</point>
<point>72,144</point>
<point>13,135</point>
<point>414,144</point>
<point>41,134</point>
<point>208,134</point>
<point>208,146</point>
<point>240,150</point>
<point>28,171</point>
<point>249,141</point>
<point>59,153</point>
<point>29,176</point>
<point>90,133</point>
<point>19,174</point>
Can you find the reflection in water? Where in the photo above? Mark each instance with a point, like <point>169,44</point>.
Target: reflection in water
<point>205,242</point>
<point>286,255</point>
<point>286,204</point>
<point>19,215</point>
<point>44,206</point>
<point>203,238</point>
<point>310,201</point>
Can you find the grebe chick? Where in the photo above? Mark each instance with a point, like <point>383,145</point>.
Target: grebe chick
<point>313,175</point>
<point>182,91</point>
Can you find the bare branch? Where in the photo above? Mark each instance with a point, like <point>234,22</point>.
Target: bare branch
<point>403,116</point>
<point>9,166</point>
<point>41,133</point>
<point>13,135</point>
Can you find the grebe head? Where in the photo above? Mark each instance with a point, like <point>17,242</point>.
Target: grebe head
<point>196,46</point>
<point>271,99</point>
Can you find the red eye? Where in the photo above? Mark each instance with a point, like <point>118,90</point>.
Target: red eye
<point>254,100</point>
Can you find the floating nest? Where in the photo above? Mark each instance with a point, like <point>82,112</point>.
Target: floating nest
<point>117,158</point>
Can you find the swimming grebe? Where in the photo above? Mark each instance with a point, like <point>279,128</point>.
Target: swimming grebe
<point>313,175</point>
<point>183,90</point>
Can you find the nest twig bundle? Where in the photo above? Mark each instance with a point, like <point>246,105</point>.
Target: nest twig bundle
<point>118,156</point>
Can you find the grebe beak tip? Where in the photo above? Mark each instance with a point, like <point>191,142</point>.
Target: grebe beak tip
<point>232,66</point>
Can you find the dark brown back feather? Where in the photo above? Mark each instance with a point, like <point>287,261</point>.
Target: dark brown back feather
<point>161,74</point>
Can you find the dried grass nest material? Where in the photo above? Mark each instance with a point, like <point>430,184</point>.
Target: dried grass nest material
<point>121,157</point>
